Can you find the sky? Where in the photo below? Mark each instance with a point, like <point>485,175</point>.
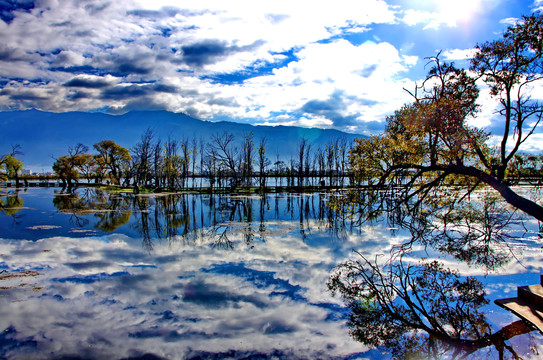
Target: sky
<point>332,64</point>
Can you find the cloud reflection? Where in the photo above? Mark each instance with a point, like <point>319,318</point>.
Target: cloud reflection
<point>112,297</point>
<point>109,297</point>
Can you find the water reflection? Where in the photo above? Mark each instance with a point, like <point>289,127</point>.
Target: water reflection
<point>219,277</point>
<point>422,309</point>
<point>194,218</point>
<point>110,210</point>
<point>482,231</point>
<point>245,277</point>
<point>419,311</point>
<point>11,203</point>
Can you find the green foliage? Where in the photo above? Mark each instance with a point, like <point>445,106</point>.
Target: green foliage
<point>113,157</point>
<point>67,166</point>
<point>110,209</point>
<point>13,166</point>
<point>12,206</point>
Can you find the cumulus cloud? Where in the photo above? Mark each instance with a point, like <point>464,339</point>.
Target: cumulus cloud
<point>245,61</point>
<point>92,82</point>
<point>458,54</point>
<point>86,54</point>
<point>333,109</point>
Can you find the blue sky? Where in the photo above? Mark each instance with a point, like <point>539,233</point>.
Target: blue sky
<point>332,64</point>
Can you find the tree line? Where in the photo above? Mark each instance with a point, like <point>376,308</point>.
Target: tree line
<point>224,160</point>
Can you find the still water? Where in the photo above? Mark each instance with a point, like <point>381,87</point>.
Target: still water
<point>97,275</point>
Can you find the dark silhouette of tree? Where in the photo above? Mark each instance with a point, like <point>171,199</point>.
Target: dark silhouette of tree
<point>226,154</point>
<point>330,156</point>
<point>158,160</point>
<point>422,309</point>
<point>303,149</point>
<point>209,166</point>
<point>184,160</point>
<point>142,159</point>
<point>194,150</point>
<point>262,161</point>
<point>247,158</point>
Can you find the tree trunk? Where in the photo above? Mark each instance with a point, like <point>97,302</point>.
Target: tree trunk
<point>528,206</point>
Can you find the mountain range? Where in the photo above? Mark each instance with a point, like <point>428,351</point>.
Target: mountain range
<point>44,136</point>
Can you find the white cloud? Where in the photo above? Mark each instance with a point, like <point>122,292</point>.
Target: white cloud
<point>533,144</point>
<point>112,295</point>
<point>368,76</point>
<point>458,54</point>
<point>433,20</point>
<point>190,45</point>
<point>509,21</point>
<point>57,41</point>
<point>435,14</point>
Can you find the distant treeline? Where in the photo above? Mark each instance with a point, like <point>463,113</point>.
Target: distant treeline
<point>223,160</point>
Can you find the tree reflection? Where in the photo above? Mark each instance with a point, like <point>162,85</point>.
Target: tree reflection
<point>418,310</point>
<point>11,205</point>
<point>141,205</point>
<point>222,220</point>
<point>110,210</point>
<point>424,310</point>
<point>475,228</point>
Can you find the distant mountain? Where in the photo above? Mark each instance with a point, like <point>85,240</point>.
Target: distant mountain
<point>44,135</point>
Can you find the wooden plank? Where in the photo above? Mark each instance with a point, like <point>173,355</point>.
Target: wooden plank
<point>528,312</point>
<point>533,294</point>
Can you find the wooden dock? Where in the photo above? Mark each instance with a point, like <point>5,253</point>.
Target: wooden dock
<point>528,305</point>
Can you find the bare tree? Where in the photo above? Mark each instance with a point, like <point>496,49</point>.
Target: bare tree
<point>157,164</point>
<point>172,162</point>
<point>194,152</point>
<point>301,154</point>
<point>185,160</point>
<point>227,155</point>
<point>142,156</point>
<point>263,161</point>
<point>247,159</point>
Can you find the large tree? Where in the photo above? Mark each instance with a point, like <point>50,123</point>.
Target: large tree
<point>226,154</point>
<point>67,166</point>
<point>115,157</point>
<point>430,143</point>
<point>142,159</point>
<point>12,164</point>
<point>13,167</point>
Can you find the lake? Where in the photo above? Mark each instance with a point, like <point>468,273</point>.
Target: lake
<point>98,275</point>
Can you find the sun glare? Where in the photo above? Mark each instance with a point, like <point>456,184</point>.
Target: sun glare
<point>458,10</point>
